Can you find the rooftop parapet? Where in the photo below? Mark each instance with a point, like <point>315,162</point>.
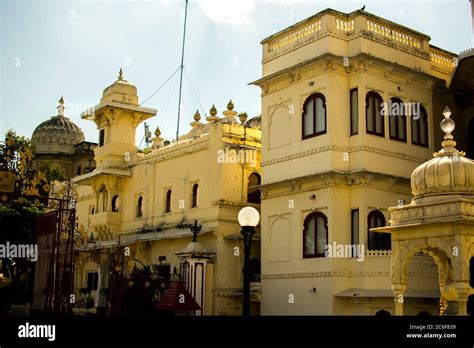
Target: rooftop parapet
<point>353,27</point>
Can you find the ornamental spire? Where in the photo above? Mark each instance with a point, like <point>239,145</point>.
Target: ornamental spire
<point>449,145</point>
<point>61,107</point>
<point>197,120</point>
<point>213,113</point>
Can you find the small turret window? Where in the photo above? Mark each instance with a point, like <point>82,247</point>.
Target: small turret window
<point>139,207</point>
<point>101,137</point>
<point>115,203</point>
<point>194,196</point>
<point>168,201</point>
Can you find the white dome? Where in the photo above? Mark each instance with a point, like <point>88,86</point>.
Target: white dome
<point>448,172</point>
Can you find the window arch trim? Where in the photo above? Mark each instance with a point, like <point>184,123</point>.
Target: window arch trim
<point>315,215</point>
<point>378,214</point>
<point>424,115</point>
<point>313,97</point>
<point>377,100</point>
<point>399,135</point>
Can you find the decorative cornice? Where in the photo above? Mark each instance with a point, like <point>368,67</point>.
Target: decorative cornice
<point>344,149</point>
<point>175,150</point>
<point>324,274</point>
<point>339,274</point>
<point>432,212</point>
<point>224,203</point>
<point>333,178</point>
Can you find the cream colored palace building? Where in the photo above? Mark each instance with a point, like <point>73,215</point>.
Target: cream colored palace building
<point>331,166</point>
<point>141,197</point>
<point>333,163</point>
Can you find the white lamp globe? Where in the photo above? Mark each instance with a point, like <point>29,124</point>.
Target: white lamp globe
<point>248,216</point>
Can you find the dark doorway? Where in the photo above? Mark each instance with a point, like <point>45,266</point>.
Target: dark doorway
<point>470,139</point>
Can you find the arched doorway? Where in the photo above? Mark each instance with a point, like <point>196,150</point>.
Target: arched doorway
<point>253,191</point>
<point>470,305</point>
<point>382,313</point>
<point>422,292</point>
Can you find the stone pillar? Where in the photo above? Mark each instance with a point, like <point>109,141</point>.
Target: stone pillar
<point>398,292</point>
<point>196,258</point>
<point>99,285</point>
<point>463,294</point>
<point>197,284</point>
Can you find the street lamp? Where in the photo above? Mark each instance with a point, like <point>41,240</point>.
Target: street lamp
<point>195,228</point>
<point>248,218</point>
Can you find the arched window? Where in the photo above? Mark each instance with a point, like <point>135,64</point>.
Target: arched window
<point>253,191</point>
<point>139,207</point>
<point>315,235</point>
<point>78,170</point>
<point>382,313</point>
<point>115,203</point>
<point>397,120</point>
<point>377,240</point>
<point>314,115</point>
<point>103,200</point>
<point>194,196</point>
<point>419,128</point>
<point>374,121</point>
<point>168,202</point>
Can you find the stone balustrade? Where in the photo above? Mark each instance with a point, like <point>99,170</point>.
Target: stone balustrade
<point>344,24</point>
<point>444,62</point>
<point>394,34</point>
<point>300,32</point>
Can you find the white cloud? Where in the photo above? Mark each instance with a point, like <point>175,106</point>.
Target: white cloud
<point>234,12</point>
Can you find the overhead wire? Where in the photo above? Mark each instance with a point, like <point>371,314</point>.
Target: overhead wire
<point>164,84</point>
<point>193,93</point>
<point>169,100</point>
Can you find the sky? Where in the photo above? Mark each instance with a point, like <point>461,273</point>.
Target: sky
<point>75,49</point>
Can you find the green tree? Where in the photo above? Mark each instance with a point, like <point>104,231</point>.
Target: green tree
<point>16,156</point>
<point>52,171</point>
<point>20,208</point>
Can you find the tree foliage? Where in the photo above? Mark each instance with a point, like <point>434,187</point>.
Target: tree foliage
<point>16,156</point>
<point>52,171</point>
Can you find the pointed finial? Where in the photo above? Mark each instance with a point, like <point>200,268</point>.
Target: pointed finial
<point>230,105</point>
<point>213,111</point>
<point>447,124</point>
<point>449,145</point>
<point>197,116</point>
<point>120,77</point>
<point>157,132</point>
<point>61,107</point>
<point>243,117</point>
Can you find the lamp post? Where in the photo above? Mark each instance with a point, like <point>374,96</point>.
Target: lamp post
<point>248,218</point>
<point>195,228</point>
